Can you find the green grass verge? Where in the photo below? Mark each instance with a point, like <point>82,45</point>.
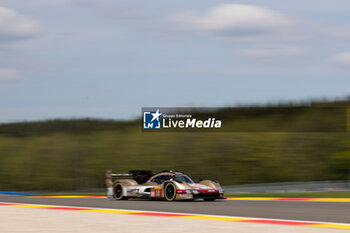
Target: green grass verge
<point>345,194</point>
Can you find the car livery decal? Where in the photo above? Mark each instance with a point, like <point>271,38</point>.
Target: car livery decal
<point>157,192</point>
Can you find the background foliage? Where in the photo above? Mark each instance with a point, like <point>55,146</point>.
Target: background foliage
<point>73,154</point>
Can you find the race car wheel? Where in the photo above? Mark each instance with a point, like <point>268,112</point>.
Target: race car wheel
<point>170,192</point>
<point>209,199</point>
<point>118,192</point>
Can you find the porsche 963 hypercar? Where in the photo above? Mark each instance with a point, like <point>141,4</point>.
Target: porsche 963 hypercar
<point>168,185</point>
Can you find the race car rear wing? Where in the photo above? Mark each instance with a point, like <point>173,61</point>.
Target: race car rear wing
<point>122,175</point>
<point>140,176</point>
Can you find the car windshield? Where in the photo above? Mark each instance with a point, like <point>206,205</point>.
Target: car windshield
<point>182,178</point>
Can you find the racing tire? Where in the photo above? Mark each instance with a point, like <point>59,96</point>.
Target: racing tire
<point>170,192</point>
<point>209,199</point>
<point>118,192</point>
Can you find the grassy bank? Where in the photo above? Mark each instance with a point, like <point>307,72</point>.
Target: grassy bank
<point>74,154</point>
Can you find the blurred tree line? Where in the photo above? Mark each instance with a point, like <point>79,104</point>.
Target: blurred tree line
<point>73,154</point>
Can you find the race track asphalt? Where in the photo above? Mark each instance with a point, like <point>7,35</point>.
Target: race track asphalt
<point>292,210</point>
